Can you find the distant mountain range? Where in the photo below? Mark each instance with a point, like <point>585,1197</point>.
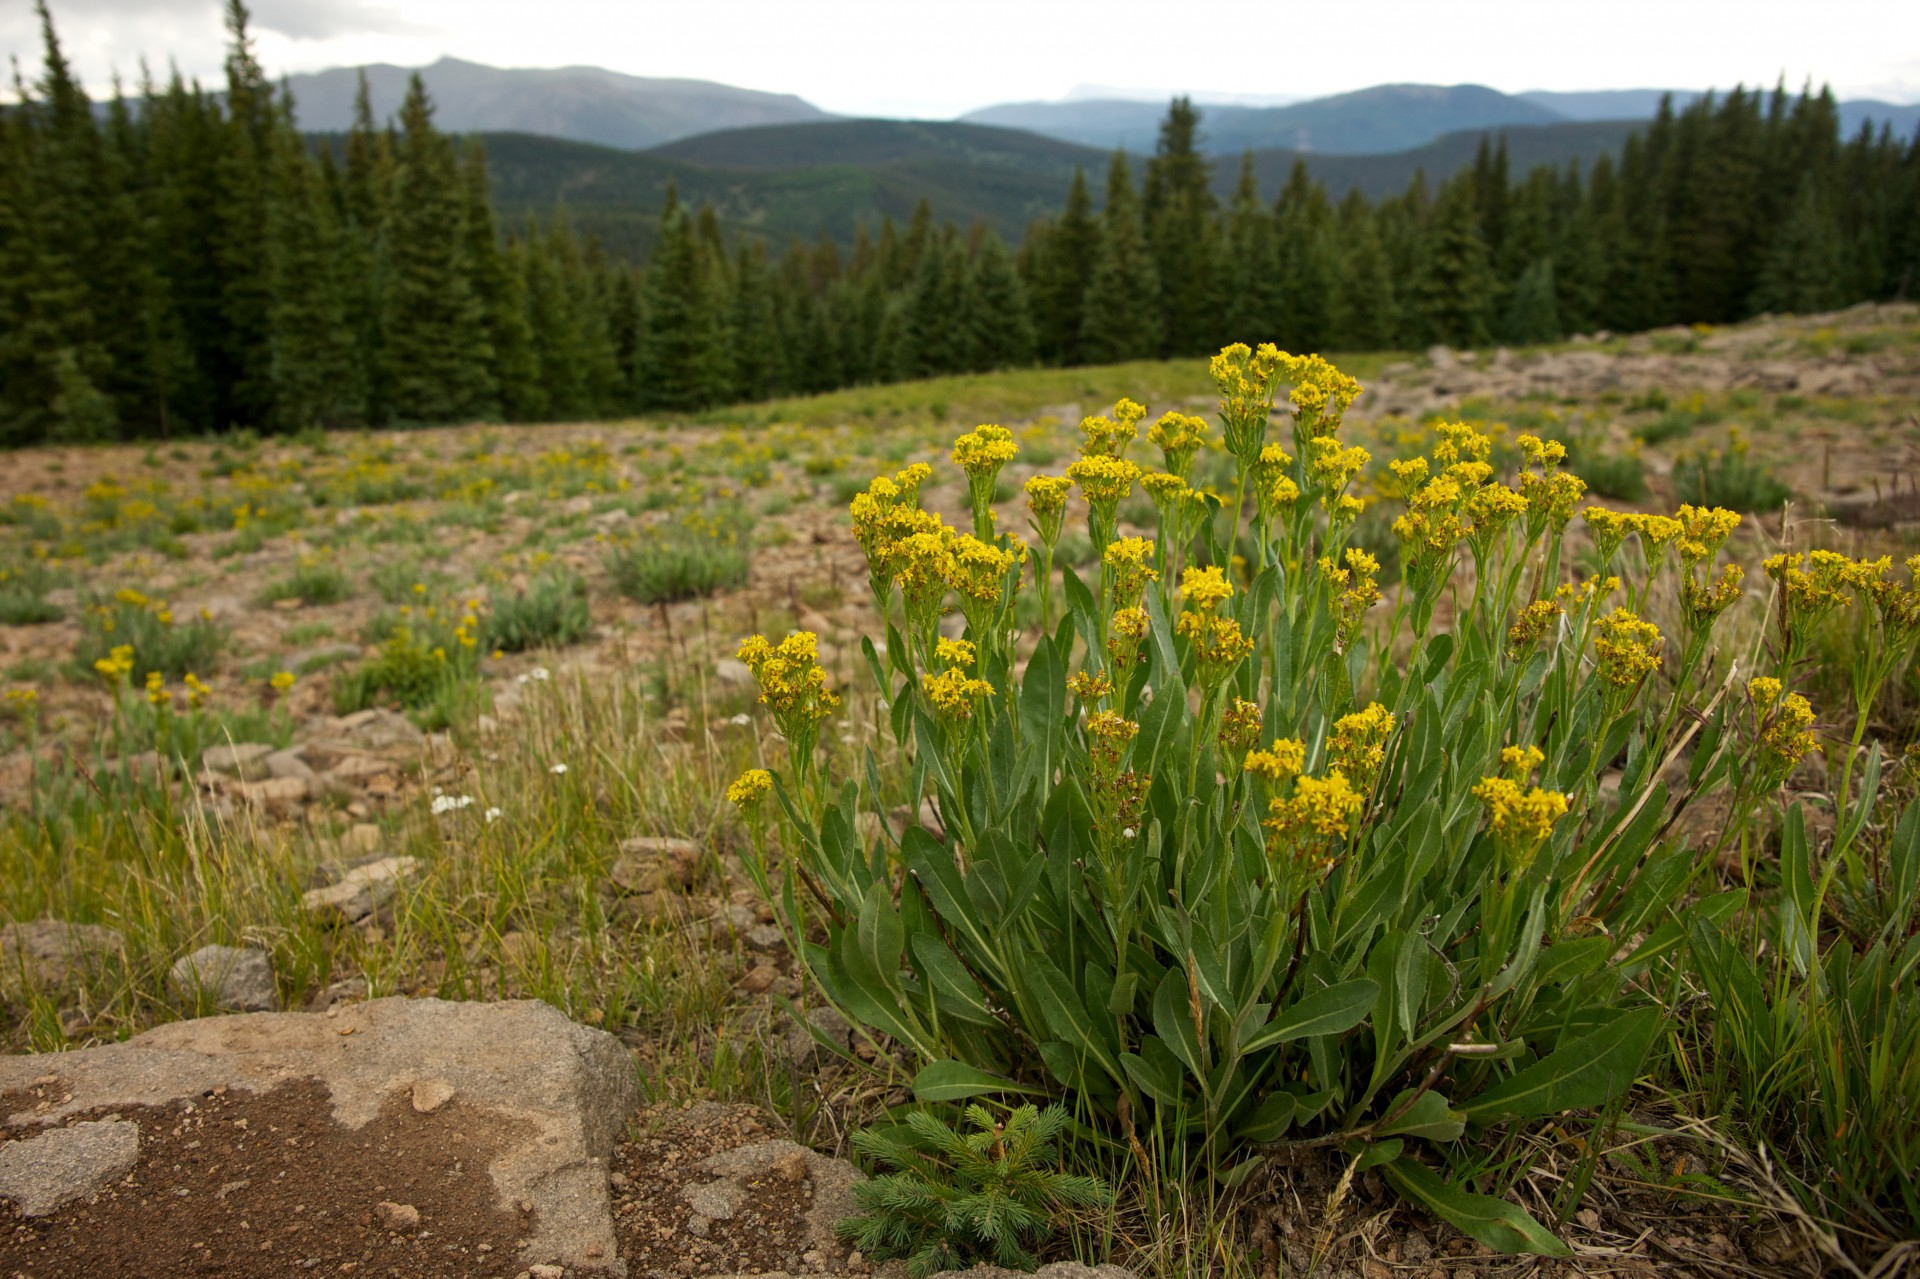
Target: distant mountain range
<point>605,146</point>
<point>583,104</point>
<point>1376,121</point>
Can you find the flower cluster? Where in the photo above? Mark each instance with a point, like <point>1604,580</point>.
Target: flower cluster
<point>1358,744</point>
<point>1320,810</point>
<point>1785,723</point>
<point>1129,565</point>
<point>1111,436</point>
<point>1351,592</point>
<point>793,687</point>
<point>1284,759</point>
<point>747,791</point>
<point>1627,648</point>
<point>1531,626</point>
<point>954,693</point>
<point>1520,818</point>
<point>1246,379</point>
<point>1178,437</point>
<point>1218,643</point>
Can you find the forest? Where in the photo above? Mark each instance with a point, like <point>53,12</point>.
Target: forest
<point>185,260</point>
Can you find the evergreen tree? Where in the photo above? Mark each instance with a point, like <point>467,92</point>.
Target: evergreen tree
<point>756,367</point>
<point>499,289</point>
<point>1804,265</point>
<point>679,345</point>
<point>1250,281</point>
<point>1062,275</point>
<point>1122,320</point>
<point>1532,315</point>
<point>310,367</point>
<point>1308,265</point>
<point>1366,311</point>
<point>1000,322</point>
<point>434,343</point>
<point>243,380</point>
<point>1179,210</point>
<point>1454,290</point>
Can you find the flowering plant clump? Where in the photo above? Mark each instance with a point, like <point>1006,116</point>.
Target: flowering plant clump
<point>1245,854</point>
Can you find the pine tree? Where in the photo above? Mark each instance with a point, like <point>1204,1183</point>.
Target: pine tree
<point>1805,264</point>
<point>1063,273</point>
<point>1532,314</point>
<point>1178,210</point>
<point>1366,311</point>
<point>310,367</point>
<point>999,319</point>
<point>1308,265</point>
<point>501,292</point>
<point>367,199</point>
<point>754,348</point>
<point>243,376</point>
<point>1122,320</point>
<point>679,346</point>
<point>435,336</point>
<point>936,337</point>
<point>1250,284</point>
<point>1454,290</point>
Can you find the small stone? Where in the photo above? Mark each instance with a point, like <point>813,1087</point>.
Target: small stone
<point>765,937</point>
<point>362,838</point>
<point>791,1169</point>
<point>288,764</point>
<point>715,1199</point>
<point>431,1094</point>
<point>395,1216</point>
<point>361,891</point>
<point>650,863</point>
<point>246,761</point>
<point>237,977</point>
<point>546,1270</point>
<point>279,794</point>
<point>802,1048</point>
<point>759,979</point>
<point>43,1173</point>
<point>734,672</point>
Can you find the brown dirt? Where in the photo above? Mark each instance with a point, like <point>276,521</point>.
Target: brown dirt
<point>263,1185</point>
<point>768,1231</point>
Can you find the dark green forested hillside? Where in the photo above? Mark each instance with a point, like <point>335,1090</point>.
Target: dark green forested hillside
<point>189,261</point>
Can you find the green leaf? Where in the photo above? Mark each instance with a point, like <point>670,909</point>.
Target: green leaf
<point>1589,1071</point>
<point>1496,1223</point>
<point>952,1080</point>
<point>1271,1118</point>
<point>1380,1152</point>
<point>1066,1013</point>
<point>1429,1117</point>
<point>1173,1020</point>
<point>879,938</point>
<point>1325,1012</point>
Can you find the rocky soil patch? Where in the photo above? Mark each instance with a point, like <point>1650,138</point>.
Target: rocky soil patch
<point>413,1137</point>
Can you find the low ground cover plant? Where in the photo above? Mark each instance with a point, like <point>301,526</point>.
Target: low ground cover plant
<point>157,639</point>
<point>696,553</point>
<point>552,610</point>
<point>1239,862</point>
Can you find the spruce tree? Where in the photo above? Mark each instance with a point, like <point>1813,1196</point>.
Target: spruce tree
<point>1122,319</point>
<point>310,365</point>
<point>434,340</point>
<point>1063,273</point>
<point>1532,315</point>
<point>1308,262</point>
<point>1366,310</point>
<point>1178,209</point>
<point>754,350</point>
<point>501,292</point>
<point>679,344</point>
<point>1805,263</point>
<point>1454,290</point>
<point>243,381</point>
<point>1000,321</point>
<point>1250,286</point>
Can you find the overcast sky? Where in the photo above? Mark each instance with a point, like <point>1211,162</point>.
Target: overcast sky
<point>936,58</point>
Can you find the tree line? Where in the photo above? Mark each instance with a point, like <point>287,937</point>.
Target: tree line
<point>185,261</point>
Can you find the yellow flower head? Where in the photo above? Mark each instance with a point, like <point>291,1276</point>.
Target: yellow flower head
<point>954,693</point>
<point>1284,759</point>
<point>1703,531</point>
<point>1110,436</point>
<point>1108,736</point>
<point>747,790</point>
<point>1785,734</point>
<point>984,450</point>
<point>1320,809</point>
<point>954,653</point>
<point>1204,588</point>
<point>1358,744</point>
<point>1047,495</point>
<point>1520,761</point>
<point>1104,480</point>
<point>1628,649</point>
<point>1130,561</point>
<point>1321,394</point>
<point>1178,437</point>
<point>1545,454</point>
<point>978,571</point>
<point>1090,686</point>
<point>792,684</point>
<point>1520,819</point>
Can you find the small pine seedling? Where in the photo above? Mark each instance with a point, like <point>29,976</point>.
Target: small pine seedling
<point>963,1197</point>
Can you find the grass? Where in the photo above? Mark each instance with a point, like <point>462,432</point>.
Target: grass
<point>688,558</point>
<point>23,596</point>
<point>159,641</point>
<point>551,611</point>
<point>313,581</point>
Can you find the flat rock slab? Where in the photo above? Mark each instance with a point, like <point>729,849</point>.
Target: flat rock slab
<point>45,1172</point>
<point>548,1097</point>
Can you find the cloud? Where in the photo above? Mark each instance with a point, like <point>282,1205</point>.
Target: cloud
<point>328,19</point>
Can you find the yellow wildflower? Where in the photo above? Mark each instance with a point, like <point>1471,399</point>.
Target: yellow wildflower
<point>954,693</point>
<point>1178,437</point>
<point>1239,726</point>
<point>1628,648</point>
<point>1129,560</point>
<point>1284,759</point>
<point>747,790</point>
<point>953,652</point>
<point>1358,744</point>
<point>1530,627</point>
<point>1520,819</point>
